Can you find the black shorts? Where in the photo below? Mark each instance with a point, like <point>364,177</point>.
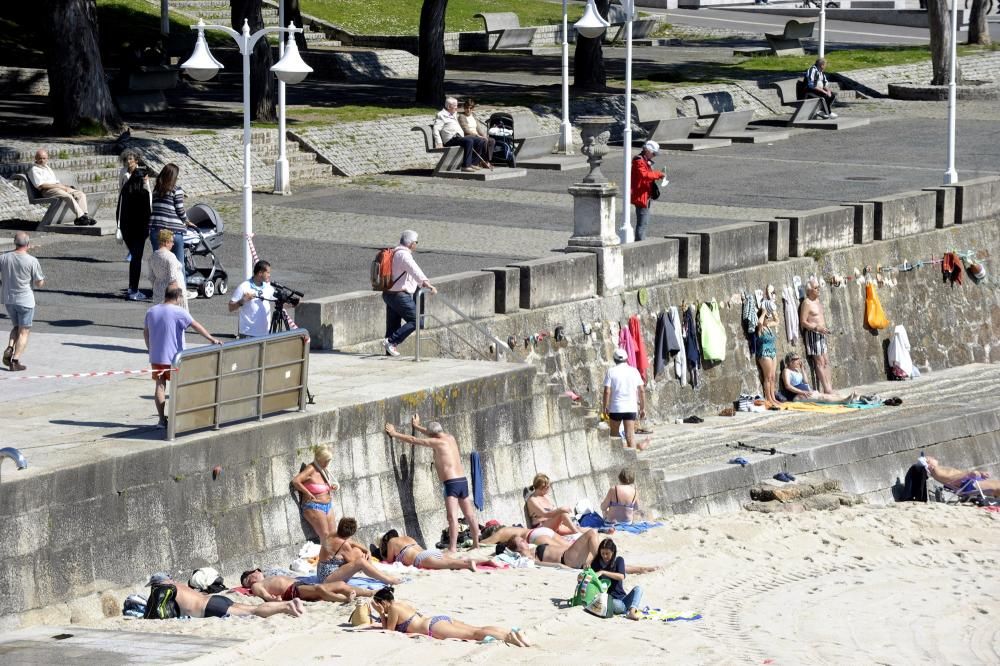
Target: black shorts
<point>457,488</point>
<point>622,416</point>
<point>218,606</point>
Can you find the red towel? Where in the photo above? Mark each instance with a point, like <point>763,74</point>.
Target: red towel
<point>641,360</point>
<point>951,267</point>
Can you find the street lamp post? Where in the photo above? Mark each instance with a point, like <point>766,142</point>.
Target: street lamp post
<point>201,66</point>
<point>822,28</point>
<point>565,129</point>
<point>281,184</point>
<point>951,175</point>
<point>626,232</point>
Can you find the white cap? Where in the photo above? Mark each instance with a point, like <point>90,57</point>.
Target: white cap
<point>620,355</point>
<point>651,147</point>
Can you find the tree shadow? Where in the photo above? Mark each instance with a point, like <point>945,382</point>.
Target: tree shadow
<point>402,471</point>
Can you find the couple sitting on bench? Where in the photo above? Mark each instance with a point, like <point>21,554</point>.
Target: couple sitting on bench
<point>448,131</point>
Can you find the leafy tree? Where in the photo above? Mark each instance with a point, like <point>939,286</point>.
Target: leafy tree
<point>939,22</point>
<point>430,50</point>
<point>78,91</point>
<point>263,85</point>
<point>979,31</point>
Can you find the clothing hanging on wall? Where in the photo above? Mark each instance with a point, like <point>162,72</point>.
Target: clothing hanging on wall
<point>675,339</point>
<point>641,360</point>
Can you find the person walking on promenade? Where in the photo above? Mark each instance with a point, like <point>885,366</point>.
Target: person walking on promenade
<point>168,212</point>
<point>400,298</point>
<point>134,205</point>
<point>814,332</point>
<point>19,272</point>
<point>624,399</point>
<point>643,177</point>
<point>164,334</point>
<point>254,299</point>
<point>44,179</point>
<point>164,269</point>
<point>448,463</point>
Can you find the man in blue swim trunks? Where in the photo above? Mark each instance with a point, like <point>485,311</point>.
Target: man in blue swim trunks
<point>448,463</point>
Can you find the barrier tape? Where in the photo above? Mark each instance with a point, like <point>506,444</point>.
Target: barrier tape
<point>292,326</point>
<point>85,375</point>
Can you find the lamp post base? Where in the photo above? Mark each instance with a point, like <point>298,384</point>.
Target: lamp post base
<point>565,146</point>
<point>281,185</point>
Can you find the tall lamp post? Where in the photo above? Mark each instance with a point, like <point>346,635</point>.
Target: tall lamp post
<point>822,28</point>
<point>281,184</point>
<point>951,175</point>
<point>627,233</point>
<point>565,130</point>
<point>201,66</point>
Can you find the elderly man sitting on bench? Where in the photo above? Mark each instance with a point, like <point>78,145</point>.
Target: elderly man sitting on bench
<point>817,85</point>
<point>43,179</point>
<point>448,132</point>
<point>962,481</point>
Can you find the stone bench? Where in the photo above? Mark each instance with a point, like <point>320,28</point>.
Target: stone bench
<point>642,28</point>
<point>504,31</point>
<point>788,42</point>
<point>529,141</point>
<point>450,163</point>
<point>660,122</point>
<point>727,122</point>
<point>59,211</point>
<point>807,108</point>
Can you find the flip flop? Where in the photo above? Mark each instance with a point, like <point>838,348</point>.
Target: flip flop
<point>784,476</point>
<point>741,461</point>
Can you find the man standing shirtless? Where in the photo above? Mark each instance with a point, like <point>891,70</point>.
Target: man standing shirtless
<point>451,473</point>
<point>814,332</point>
<point>286,588</point>
<point>197,604</point>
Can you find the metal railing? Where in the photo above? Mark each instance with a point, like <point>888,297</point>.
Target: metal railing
<point>217,384</point>
<point>499,346</point>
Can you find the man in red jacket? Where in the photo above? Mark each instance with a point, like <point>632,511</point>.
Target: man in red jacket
<point>643,176</point>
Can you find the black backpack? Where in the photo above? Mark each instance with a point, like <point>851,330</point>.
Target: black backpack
<point>915,484</point>
<point>162,603</point>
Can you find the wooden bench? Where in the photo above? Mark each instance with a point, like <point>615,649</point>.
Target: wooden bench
<point>642,28</point>
<point>59,211</point>
<point>504,31</point>
<point>789,41</point>
<point>727,122</point>
<point>529,142</point>
<point>660,122</point>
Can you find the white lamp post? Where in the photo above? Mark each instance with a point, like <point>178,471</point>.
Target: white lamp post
<point>590,25</point>
<point>822,28</point>
<point>627,233</point>
<point>201,66</point>
<point>281,184</point>
<point>951,175</point>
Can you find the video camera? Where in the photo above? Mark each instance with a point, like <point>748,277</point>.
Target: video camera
<point>284,294</point>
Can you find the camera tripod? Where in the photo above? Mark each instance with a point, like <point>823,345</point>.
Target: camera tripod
<point>279,324</point>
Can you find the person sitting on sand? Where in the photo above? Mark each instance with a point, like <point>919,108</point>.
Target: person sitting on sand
<point>406,550</point>
<point>577,555</point>
<point>608,565</point>
<point>962,481</point>
<point>340,557</point>
<point>286,588</point>
<point>542,512</point>
<point>501,534</point>
<point>794,385</point>
<point>193,603</point>
<point>401,616</point>
<point>622,501</point>
<point>314,486</point>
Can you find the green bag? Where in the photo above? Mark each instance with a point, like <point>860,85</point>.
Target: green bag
<point>588,586</point>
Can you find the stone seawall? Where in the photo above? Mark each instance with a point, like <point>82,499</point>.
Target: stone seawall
<point>75,532</point>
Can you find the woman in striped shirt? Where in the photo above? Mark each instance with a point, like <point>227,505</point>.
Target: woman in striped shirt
<point>168,211</point>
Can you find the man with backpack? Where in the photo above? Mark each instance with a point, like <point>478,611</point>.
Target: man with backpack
<point>817,85</point>
<point>399,289</point>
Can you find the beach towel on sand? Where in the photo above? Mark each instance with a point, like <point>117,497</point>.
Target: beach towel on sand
<point>816,407</point>
<point>667,616</point>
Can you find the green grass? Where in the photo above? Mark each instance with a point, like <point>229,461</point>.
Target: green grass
<point>395,17</point>
<point>311,116</point>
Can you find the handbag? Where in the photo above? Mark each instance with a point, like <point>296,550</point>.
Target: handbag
<point>361,616</point>
<point>654,190</point>
<point>600,606</point>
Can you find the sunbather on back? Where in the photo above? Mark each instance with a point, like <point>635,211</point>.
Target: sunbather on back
<point>962,481</point>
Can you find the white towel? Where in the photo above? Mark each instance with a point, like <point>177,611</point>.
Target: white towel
<point>792,327</point>
<point>899,351</point>
<point>680,358</point>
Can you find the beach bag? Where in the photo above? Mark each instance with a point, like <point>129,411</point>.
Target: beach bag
<point>381,270</point>
<point>588,586</point>
<point>600,606</point>
<point>713,335</point>
<point>162,603</point>
<point>361,616</point>
<point>874,314</point>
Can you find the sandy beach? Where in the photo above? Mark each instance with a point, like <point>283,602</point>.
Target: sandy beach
<point>901,584</point>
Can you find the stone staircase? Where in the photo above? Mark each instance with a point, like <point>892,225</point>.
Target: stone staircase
<point>218,12</point>
<point>303,165</point>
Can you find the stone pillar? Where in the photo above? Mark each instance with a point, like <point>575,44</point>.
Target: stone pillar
<point>594,209</point>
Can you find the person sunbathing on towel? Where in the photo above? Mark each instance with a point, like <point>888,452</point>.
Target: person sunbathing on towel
<point>577,555</point>
<point>404,549</point>
<point>794,385</point>
<point>536,536</point>
<point>286,588</point>
<point>198,604</point>
<point>962,481</point>
<point>340,557</point>
<point>404,618</point>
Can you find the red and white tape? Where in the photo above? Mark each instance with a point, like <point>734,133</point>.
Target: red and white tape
<point>82,375</point>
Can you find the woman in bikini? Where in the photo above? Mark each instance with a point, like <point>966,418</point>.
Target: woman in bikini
<point>404,549</point>
<point>542,512</point>
<point>402,617</point>
<point>577,555</point>
<point>340,557</point>
<point>794,385</point>
<point>622,501</point>
<point>314,487</point>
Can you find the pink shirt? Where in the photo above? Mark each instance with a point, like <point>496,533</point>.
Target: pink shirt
<point>404,263</point>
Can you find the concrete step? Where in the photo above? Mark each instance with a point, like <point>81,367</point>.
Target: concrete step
<point>56,152</point>
<point>96,162</point>
<point>223,16</point>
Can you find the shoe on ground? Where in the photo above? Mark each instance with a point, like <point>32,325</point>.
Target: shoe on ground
<point>162,422</point>
<point>137,296</point>
<point>390,349</point>
<point>694,418</point>
<point>832,116</point>
<point>90,221</point>
<point>7,354</point>
<point>468,169</point>
<point>82,221</point>
<point>822,116</point>
<point>15,365</point>
<point>192,294</point>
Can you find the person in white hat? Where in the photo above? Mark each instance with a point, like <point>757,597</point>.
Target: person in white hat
<point>643,177</point>
<point>624,399</point>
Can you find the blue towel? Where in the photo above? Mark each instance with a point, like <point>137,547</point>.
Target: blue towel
<point>477,480</point>
<point>591,519</point>
<point>363,582</point>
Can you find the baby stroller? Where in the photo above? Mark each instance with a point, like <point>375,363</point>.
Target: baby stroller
<point>500,127</point>
<point>203,269</point>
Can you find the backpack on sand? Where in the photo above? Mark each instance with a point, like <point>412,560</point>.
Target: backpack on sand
<point>381,272</point>
<point>162,603</point>
<point>588,586</point>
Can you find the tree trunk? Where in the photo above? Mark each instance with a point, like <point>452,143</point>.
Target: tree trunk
<point>430,50</point>
<point>588,57</point>
<point>979,31</point>
<point>939,22</point>
<point>263,85</point>
<point>293,12</point>
<point>78,92</point>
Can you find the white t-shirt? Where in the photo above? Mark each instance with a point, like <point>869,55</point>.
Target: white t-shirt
<point>42,175</point>
<point>624,381</point>
<point>255,315</point>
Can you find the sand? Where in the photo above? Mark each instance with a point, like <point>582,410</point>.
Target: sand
<point>902,584</point>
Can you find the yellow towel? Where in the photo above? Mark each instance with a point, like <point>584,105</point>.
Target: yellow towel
<point>817,407</point>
